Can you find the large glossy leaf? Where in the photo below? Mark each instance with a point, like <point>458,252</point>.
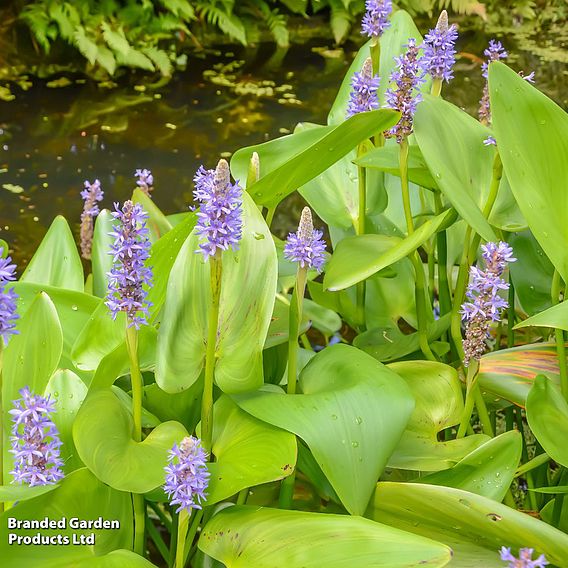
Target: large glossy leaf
<point>531,274</point>
<point>68,391</point>
<point>487,471</point>
<point>439,405</point>
<point>532,137</point>
<point>451,142</point>
<point>56,261</point>
<point>555,316</point>
<point>247,452</point>
<point>475,527</point>
<point>351,415</point>
<point>392,45</point>
<point>356,258</point>
<point>80,495</point>
<point>23,492</point>
<point>101,260</point>
<point>73,308</point>
<point>242,537</point>
<point>157,223</point>
<point>510,373</point>
<point>547,415</point>
<point>248,288</point>
<point>306,164</point>
<point>102,433</point>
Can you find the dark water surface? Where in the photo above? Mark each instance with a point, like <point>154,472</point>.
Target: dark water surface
<point>52,139</point>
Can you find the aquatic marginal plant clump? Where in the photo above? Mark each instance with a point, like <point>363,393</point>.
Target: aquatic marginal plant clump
<point>8,297</point>
<point>35,441</point>
<point>219,219</point>
<point>129,276</point>
<point>92,194</point>
<point>306,246</point>
<point>187,476</point>
<point>485,304</point>
<point>364,86</point>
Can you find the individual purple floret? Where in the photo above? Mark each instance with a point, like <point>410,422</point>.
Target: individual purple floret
<point>485,304</point>
<point>92,194</point>
<point>404,94</point>
<point>494,52</point>
<point>35,441</point>
<point>219,219</point>
<point>524,560</point>
<point>306,246</point>
<point>187,475</point>
<point>8,313</point>
<point>490,141</point>
<point>145,181</point>
<point>376,18</point>
<point>439,49</point>
<point>129,275</point>
<point>364,86</point>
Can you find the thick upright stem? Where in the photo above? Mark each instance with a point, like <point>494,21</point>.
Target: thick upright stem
<point>210,354</point>
<point>294,320</point>
<point>375,49</point>
<point>442,250</point>
<point>436,89</point>
<point>559,335</point>
<point>362,183</point>
<point>137,384</point>
<point>183,524</point>
<point>469,398</point>
<point>403,165</point>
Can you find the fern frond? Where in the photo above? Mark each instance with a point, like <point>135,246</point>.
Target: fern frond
<point>66,17</point>
<point>106,59</point>
<point>180,8</point>
<point>160,59</point>
<point>115,39</point>
<point>225,21</point>
<point>134,58</point>
<point>340,20</point>
<point>38,22</point>
<point>85,45</point>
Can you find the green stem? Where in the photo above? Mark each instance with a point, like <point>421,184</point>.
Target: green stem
<point>469,398</point>
<point>216,269</point>
<point>173,537</point>
<point>286,496</point>
<point>360,230</point>
<point>537,461</point>
<point>294,325</point>
<point>375,49</point>
<point>511,315</point>
<point>242,497</point>
<point>484,417</point>
<point>137,384</point>
<point>191,534</point>
<point>442,250</point>
<point>270,215</point>
<point>403,165</point>
<point>158,540</point>
<point>558,501</point>
<point>436,89</point>
<point>559,334</point>
<point>160,514</point>
<point>181,534</point>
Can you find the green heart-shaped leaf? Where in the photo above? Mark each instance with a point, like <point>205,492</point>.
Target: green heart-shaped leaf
<point>439,405</point>
<point>56,261</point>
<point>248,288</point>
<point>103,436</point>
<point>241,537</point>
<point>351,416</point>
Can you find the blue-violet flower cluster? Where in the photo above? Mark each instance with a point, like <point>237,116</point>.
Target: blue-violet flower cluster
<point>404,94</point>
<point>485,304</point>
<point>364,86</point>
<point>35,441</point>
<point>219,219</point>
<point>494,52</point>
<point>187,475</point>
<point>439,49</point>
<point>376,18</point>
<point>145,181</point>
<point>91,195</point>
<point>129,275</point>
<point>306,246</point>
<point>524,560</point>
<point>8,314</point>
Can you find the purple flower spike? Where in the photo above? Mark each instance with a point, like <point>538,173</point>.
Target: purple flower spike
<point>494,52</point>
<point>485,304</point>
<point>35,441</point>
<point>306,246</point>
<point>404,94</point>
<point>364,86</point>
<point>129,275</point>
<point>219,219</point>
<point>376,18</point>
<point>524,560</point>
<point>439,49</point>
<point>187,475</point>
<point>92,194</point>
<point>145,181</point>
<point>8,297</point>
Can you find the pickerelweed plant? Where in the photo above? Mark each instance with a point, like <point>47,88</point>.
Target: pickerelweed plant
<point>382,384</point>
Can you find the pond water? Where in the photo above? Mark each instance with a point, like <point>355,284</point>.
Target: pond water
<point>52,139</point>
